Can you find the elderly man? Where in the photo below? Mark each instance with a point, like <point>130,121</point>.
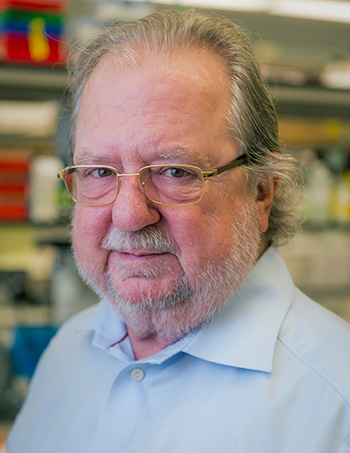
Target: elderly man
<point>201,342</point>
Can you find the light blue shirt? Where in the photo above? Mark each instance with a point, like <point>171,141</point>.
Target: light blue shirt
<point>270,374</point>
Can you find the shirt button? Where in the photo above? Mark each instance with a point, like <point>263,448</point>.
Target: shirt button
<point>137,374</point>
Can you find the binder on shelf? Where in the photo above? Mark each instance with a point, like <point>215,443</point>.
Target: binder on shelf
<point>32,32</point>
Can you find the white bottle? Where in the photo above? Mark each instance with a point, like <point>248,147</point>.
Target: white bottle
<point>44,185</point>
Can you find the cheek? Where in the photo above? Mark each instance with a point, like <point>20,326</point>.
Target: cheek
<point>203,235</point>
<point>89,227</point>
<point>207,232</point>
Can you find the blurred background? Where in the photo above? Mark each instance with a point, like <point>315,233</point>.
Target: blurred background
<point>304,49</point>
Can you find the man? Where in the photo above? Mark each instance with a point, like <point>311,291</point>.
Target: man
<point>201,342</point>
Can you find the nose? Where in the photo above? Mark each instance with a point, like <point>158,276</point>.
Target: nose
<point>132,210</point>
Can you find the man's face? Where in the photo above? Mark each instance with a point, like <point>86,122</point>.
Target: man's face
<point>147,259</point>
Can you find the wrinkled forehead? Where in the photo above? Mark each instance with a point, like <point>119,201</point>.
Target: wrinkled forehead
<point>195,77</point>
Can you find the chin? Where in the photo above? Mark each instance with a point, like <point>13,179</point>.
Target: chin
<point>149,292</point>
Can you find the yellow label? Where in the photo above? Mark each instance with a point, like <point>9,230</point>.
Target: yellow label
<point>37,40</point>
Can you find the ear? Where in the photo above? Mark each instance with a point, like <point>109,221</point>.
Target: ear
<point>265,193</point>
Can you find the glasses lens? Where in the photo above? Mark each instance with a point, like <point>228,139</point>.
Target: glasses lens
<point>172,185</point>
<point>92,186</point>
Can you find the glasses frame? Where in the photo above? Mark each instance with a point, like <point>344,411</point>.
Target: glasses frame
<point>205,174</point>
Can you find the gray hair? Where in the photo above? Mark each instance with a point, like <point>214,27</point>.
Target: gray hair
<point>252,117</point>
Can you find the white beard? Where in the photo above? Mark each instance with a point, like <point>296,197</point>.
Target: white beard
<point>188,304</point>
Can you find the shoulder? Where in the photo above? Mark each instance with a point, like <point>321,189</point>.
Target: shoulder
<point>320,340</point>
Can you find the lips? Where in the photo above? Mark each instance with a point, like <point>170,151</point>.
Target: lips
<point>139,253</point>
<point>148,264</point>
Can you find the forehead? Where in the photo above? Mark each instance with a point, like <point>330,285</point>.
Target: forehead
<point>173,97</point>
<point>195,68</point>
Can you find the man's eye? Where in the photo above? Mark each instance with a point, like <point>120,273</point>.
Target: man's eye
<point>101,172</point>
<point>176,172</point>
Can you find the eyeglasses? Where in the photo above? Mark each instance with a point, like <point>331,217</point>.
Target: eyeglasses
<point>166,185</point>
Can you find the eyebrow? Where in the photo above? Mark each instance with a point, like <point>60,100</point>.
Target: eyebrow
<point>90,157</point>
<point>189,154</point>
<point>174,153</point>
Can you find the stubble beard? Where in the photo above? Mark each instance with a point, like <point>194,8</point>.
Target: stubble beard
<point>188,304</point>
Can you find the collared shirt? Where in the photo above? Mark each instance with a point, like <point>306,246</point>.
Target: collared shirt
<point>270,374</point>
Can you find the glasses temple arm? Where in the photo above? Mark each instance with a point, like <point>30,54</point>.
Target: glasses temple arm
<point>234,163</point>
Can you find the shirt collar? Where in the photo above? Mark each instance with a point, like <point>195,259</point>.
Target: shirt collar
<point>108,328</point>
<point>244,333</point>
<point>106,324</point>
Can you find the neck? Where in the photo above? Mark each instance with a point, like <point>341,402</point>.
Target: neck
<point>144,347</point>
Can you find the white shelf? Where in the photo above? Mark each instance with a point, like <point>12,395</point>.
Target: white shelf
<point>31,82</point>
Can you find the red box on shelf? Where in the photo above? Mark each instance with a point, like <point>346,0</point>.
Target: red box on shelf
<point>14,188</point>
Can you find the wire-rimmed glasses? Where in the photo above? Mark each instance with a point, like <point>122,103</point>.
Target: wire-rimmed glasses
<point>166,185</point>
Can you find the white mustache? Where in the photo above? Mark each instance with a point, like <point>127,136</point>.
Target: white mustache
<point>149,238</point>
